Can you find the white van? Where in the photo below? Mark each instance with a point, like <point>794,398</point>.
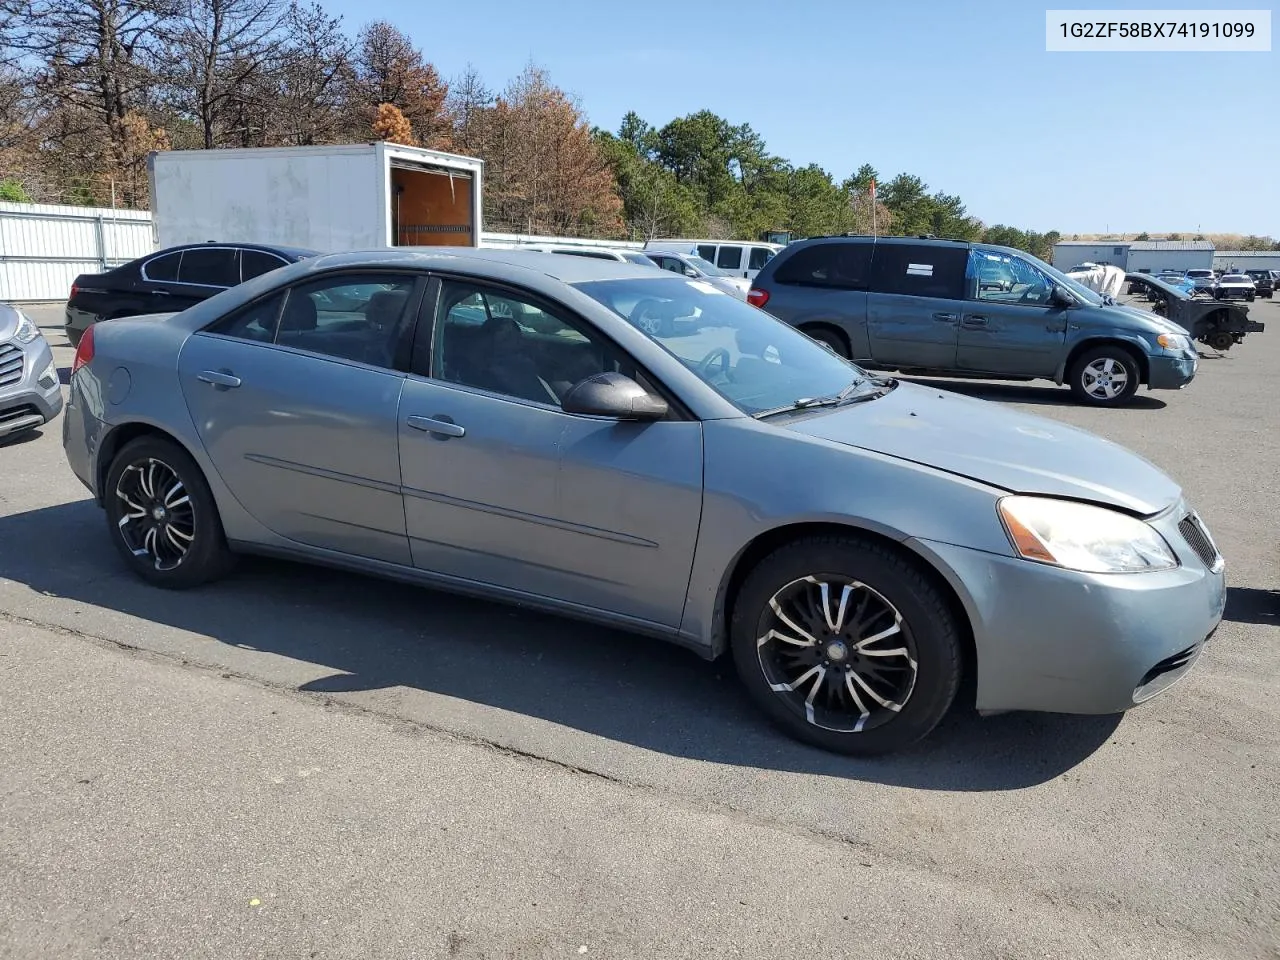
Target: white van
<point>599,253</point>
<point>740,258</point>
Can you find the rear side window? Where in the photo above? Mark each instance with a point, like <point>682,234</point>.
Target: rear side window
<point>729,258</point>
<point>759,257</point>
<point>254,263</point>
<point>919,270</point>
<point>163,268</point>
<point>256,322</point>
<point>216,267</point>
<point>844,266</point>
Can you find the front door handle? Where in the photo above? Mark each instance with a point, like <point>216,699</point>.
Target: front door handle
<point>440,426</point>
<point>946,317</point>
<point>218,378</point>
<point>975,321</point>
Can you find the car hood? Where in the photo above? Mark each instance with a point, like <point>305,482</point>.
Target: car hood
<point>1151,320</point>
<point>8,322</point>
<point>992,444</point>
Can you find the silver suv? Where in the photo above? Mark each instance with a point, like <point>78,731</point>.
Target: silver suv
<point>30,392</point>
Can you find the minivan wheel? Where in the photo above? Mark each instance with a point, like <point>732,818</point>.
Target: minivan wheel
<point>1106,376</point>
<point>162,516</point>
<point>846,645</point>
<point>829,338</point>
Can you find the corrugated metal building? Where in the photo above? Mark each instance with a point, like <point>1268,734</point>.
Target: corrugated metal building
<point>1138,256</point>
<point>43,247</point>
<point>1068,253</point>
<point>1246,260</point>
<point>1152,256</point>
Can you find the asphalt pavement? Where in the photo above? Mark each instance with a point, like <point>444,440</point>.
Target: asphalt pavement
<point>302,763</point>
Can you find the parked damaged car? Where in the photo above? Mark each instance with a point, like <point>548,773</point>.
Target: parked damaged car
<point>1234,286</point>
<point>1211,322</point>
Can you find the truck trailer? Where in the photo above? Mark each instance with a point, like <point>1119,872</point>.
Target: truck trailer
<point>329,198</point>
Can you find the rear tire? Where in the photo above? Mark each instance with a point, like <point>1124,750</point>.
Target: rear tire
<point>162,515</point>
<point>885,660</point>
<point>829,338</point>
<point>1105,376</point>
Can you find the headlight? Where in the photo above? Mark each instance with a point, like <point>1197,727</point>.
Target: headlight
<point>27,331</point>
<point>1174,341</point>
<point>1080,537</point>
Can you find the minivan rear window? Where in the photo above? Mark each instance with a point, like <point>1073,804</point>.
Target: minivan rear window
<point>844,266</point>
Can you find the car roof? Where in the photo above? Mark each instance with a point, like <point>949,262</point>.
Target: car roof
<point>487,262</point>
<point>295,252</point>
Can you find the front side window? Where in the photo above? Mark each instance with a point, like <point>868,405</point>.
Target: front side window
<point>350,317</point>
<point>254,263</point>
<point>754,361</point>
<point>210,267</point>
<point>670,263</point>
<point>707,251</point>
<point>509,344</point>
<point>759,257</point>
<point>1002,278</point>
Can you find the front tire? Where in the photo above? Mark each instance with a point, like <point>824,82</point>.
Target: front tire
<point>1105,376</point>
<point>845,645</point>
<point>162,516</point>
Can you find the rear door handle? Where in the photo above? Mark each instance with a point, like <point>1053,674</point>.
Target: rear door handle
<point>438,425</point>
<point>947,317</point>
<point>218,378</point>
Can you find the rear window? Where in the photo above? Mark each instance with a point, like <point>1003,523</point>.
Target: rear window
<point>919,270</point>
<point>216,267</point>
<point>844,266</point>
<point>163,268</point>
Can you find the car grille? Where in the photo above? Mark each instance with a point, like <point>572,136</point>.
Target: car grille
<point>1198,539</point>
<point>17,413</point>
<point>10,364</point>
<point>1170,664</point>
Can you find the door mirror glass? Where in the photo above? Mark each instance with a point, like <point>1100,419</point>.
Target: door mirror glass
<point>690,272</point>
<point>613,395</point>
<point>1060,298</point>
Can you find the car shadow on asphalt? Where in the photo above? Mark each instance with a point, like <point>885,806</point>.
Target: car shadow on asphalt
<point>1047,394</point>
<point>374,634</point>
<point>1252,605</point>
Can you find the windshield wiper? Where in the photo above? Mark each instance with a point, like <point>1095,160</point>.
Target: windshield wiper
<point>884,385</point>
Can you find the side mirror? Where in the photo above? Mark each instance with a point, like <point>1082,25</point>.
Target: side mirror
<point>690,272</point>
<point>1060,298</point>
<point>613,395</point>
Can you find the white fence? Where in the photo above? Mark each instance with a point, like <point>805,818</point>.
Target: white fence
<point>44,247</point>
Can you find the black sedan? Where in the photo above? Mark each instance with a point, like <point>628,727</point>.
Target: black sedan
<point>169,281</point>
<point>1264,283</point>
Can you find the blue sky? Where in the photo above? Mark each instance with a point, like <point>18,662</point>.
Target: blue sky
<point>963,94</point>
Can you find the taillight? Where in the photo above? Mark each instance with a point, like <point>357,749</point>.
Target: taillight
<point>757,297</point>
<point>84,350</point>
<point>74,291</point>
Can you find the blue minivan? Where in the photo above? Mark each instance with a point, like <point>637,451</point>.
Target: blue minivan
<point>954,308</point>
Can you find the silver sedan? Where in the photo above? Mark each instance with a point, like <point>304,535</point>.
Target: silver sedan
<point>504,425</point>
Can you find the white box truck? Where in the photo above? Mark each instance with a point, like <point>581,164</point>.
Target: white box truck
<point>330,198</point>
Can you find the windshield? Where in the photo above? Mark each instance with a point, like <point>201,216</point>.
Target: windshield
<point>1075,286</point>
<point>1166,284</point>
<point>1235,278</point>
<point>755,362</point>
<point>707,267</point>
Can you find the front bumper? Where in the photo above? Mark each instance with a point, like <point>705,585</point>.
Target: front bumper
<point>30,390</point>
<point>1170,373</point>
<point>1063,642</point>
